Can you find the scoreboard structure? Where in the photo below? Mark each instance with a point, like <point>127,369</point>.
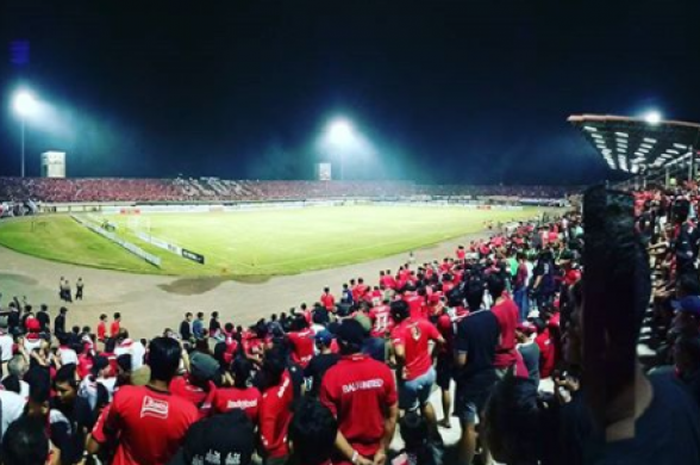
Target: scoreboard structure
<point>53,164</point>
<point>323,171</point>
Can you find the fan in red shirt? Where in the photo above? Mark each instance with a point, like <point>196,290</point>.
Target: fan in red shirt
<point>547,349</point>
<point>301,339</point>
<point>359,291</point>
<point>198,386</point>
<point>149,422</point>
<point>411,338</point>
<point>461,254</point>
<point>361,393</point>
<point>102,328</point>
<point>446,324</point>
<point>115,326</point>
<point>241,396</point>
<point>415,303</point>
<point>327,300</point>
<point>507,314</point>
<point>382,323</point>
<point>387,280</point>
<point>275,406</point>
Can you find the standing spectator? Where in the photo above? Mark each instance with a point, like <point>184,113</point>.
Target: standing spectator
<point>242,395</point>
<point>301,339</point>
<point>319,365</point>
<point>221,440</point>
<point>44,318</point>
<point>62,289</point>
<point>475,350</point>
<point>520,296</point>
<point>11,408</point>
<point>59,323</point>
<point>6,344</point>
<point>506,312</point>
<point>186,327</point>
<point>68,292</point>
<point>214,325</point>
<point>116,324</point>
<point>327,299</point>
<point>25,443</point>
<point>361,394</point>
<point>150,409</point>
<point>127,346</point>
<point>312,433</point>
<point>65,353</point>
<point>198,326</point>
<point>13,319</point>
<point>71,416</point>
<point>275,408</point>
<point>529,350</point>
<point>198,386</point>
<point>411,338</point>
<point>102,328</point>
<point>79,289</point>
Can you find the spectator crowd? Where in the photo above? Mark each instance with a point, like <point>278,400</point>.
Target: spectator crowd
<point>55,190</point>
<point>496,334</point>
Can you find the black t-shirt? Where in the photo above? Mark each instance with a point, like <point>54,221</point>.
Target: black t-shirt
<point>44,320</point>
<point>477,336</point>
<point>69,427</point>
<point>668,432</point>
<point>317,367</point>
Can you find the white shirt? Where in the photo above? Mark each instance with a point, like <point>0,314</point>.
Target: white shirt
<point>6,343</point>
<point>67,355</point>
<point>133,348</point>
<point>12,408</point>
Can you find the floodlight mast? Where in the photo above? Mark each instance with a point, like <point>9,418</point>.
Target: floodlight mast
<point>24,103</point>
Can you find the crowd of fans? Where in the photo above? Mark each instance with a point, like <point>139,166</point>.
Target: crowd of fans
<point>497,329</point>
<point>55,190</point>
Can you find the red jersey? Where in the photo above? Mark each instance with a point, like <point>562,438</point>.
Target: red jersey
<point>461,254</point>
<point>302,346</point>
<point>247,400</point>
<point>85,364</point>
<point>358,389</point>
<point>275,416</point>
<point>114,329</point>
<point>415,304</point>
<point>388,281</point>
<point>381,320</point>
<point>507,315</point>
<point>328,302</point>
<point>151,425</point>
<point>414,336</point>
<point>201,399</point>
<point>102,331</point>
<point>547,353</point>
<point>358,292</point>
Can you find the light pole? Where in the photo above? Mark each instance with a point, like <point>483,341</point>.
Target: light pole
<point>24,104</point>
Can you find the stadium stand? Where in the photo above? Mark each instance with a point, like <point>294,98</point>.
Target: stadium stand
<point>504,314</point>
<point>54,190</point>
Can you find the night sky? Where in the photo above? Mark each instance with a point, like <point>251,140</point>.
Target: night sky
<point>462,92</point>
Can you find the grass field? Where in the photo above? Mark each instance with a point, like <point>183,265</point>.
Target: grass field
<point>256,243</point>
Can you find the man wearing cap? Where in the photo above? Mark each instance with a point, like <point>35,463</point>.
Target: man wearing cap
<point>224,439</point>
<point>198,385</point>
<point>319,365</point>
<point>361,393</point>
<point>149,421</point>
<point>530,352</point>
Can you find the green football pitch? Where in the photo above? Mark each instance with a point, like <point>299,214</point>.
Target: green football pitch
<point>254,243</point>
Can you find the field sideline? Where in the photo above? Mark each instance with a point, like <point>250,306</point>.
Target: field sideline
<point>255,244</point>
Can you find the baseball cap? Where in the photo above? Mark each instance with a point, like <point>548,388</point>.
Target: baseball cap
<point>689,304</point>
<point>324,336</point>
<point>219,440</point>
<point>526,327</point>
<point>203,366</point>
<point>351,331</point>
<point>33,325</point>
<point>364,321</point>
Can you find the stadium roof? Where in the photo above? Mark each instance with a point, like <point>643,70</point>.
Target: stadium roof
<point>637,145</point>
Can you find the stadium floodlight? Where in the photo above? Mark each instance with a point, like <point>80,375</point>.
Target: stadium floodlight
<point>24,105</point>
<point>621,134</point>
<point>590,129</point>
<point>341,134</point>
<point>680,146</point>
<point>652,117</point>
<point>650,140</point>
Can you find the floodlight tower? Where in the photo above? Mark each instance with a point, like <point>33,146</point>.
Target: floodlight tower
<point>24,105</point>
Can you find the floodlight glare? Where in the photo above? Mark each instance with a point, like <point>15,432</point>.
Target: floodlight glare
<point>653,117</point>
<point>24,103</point>
<point>340,131</point>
